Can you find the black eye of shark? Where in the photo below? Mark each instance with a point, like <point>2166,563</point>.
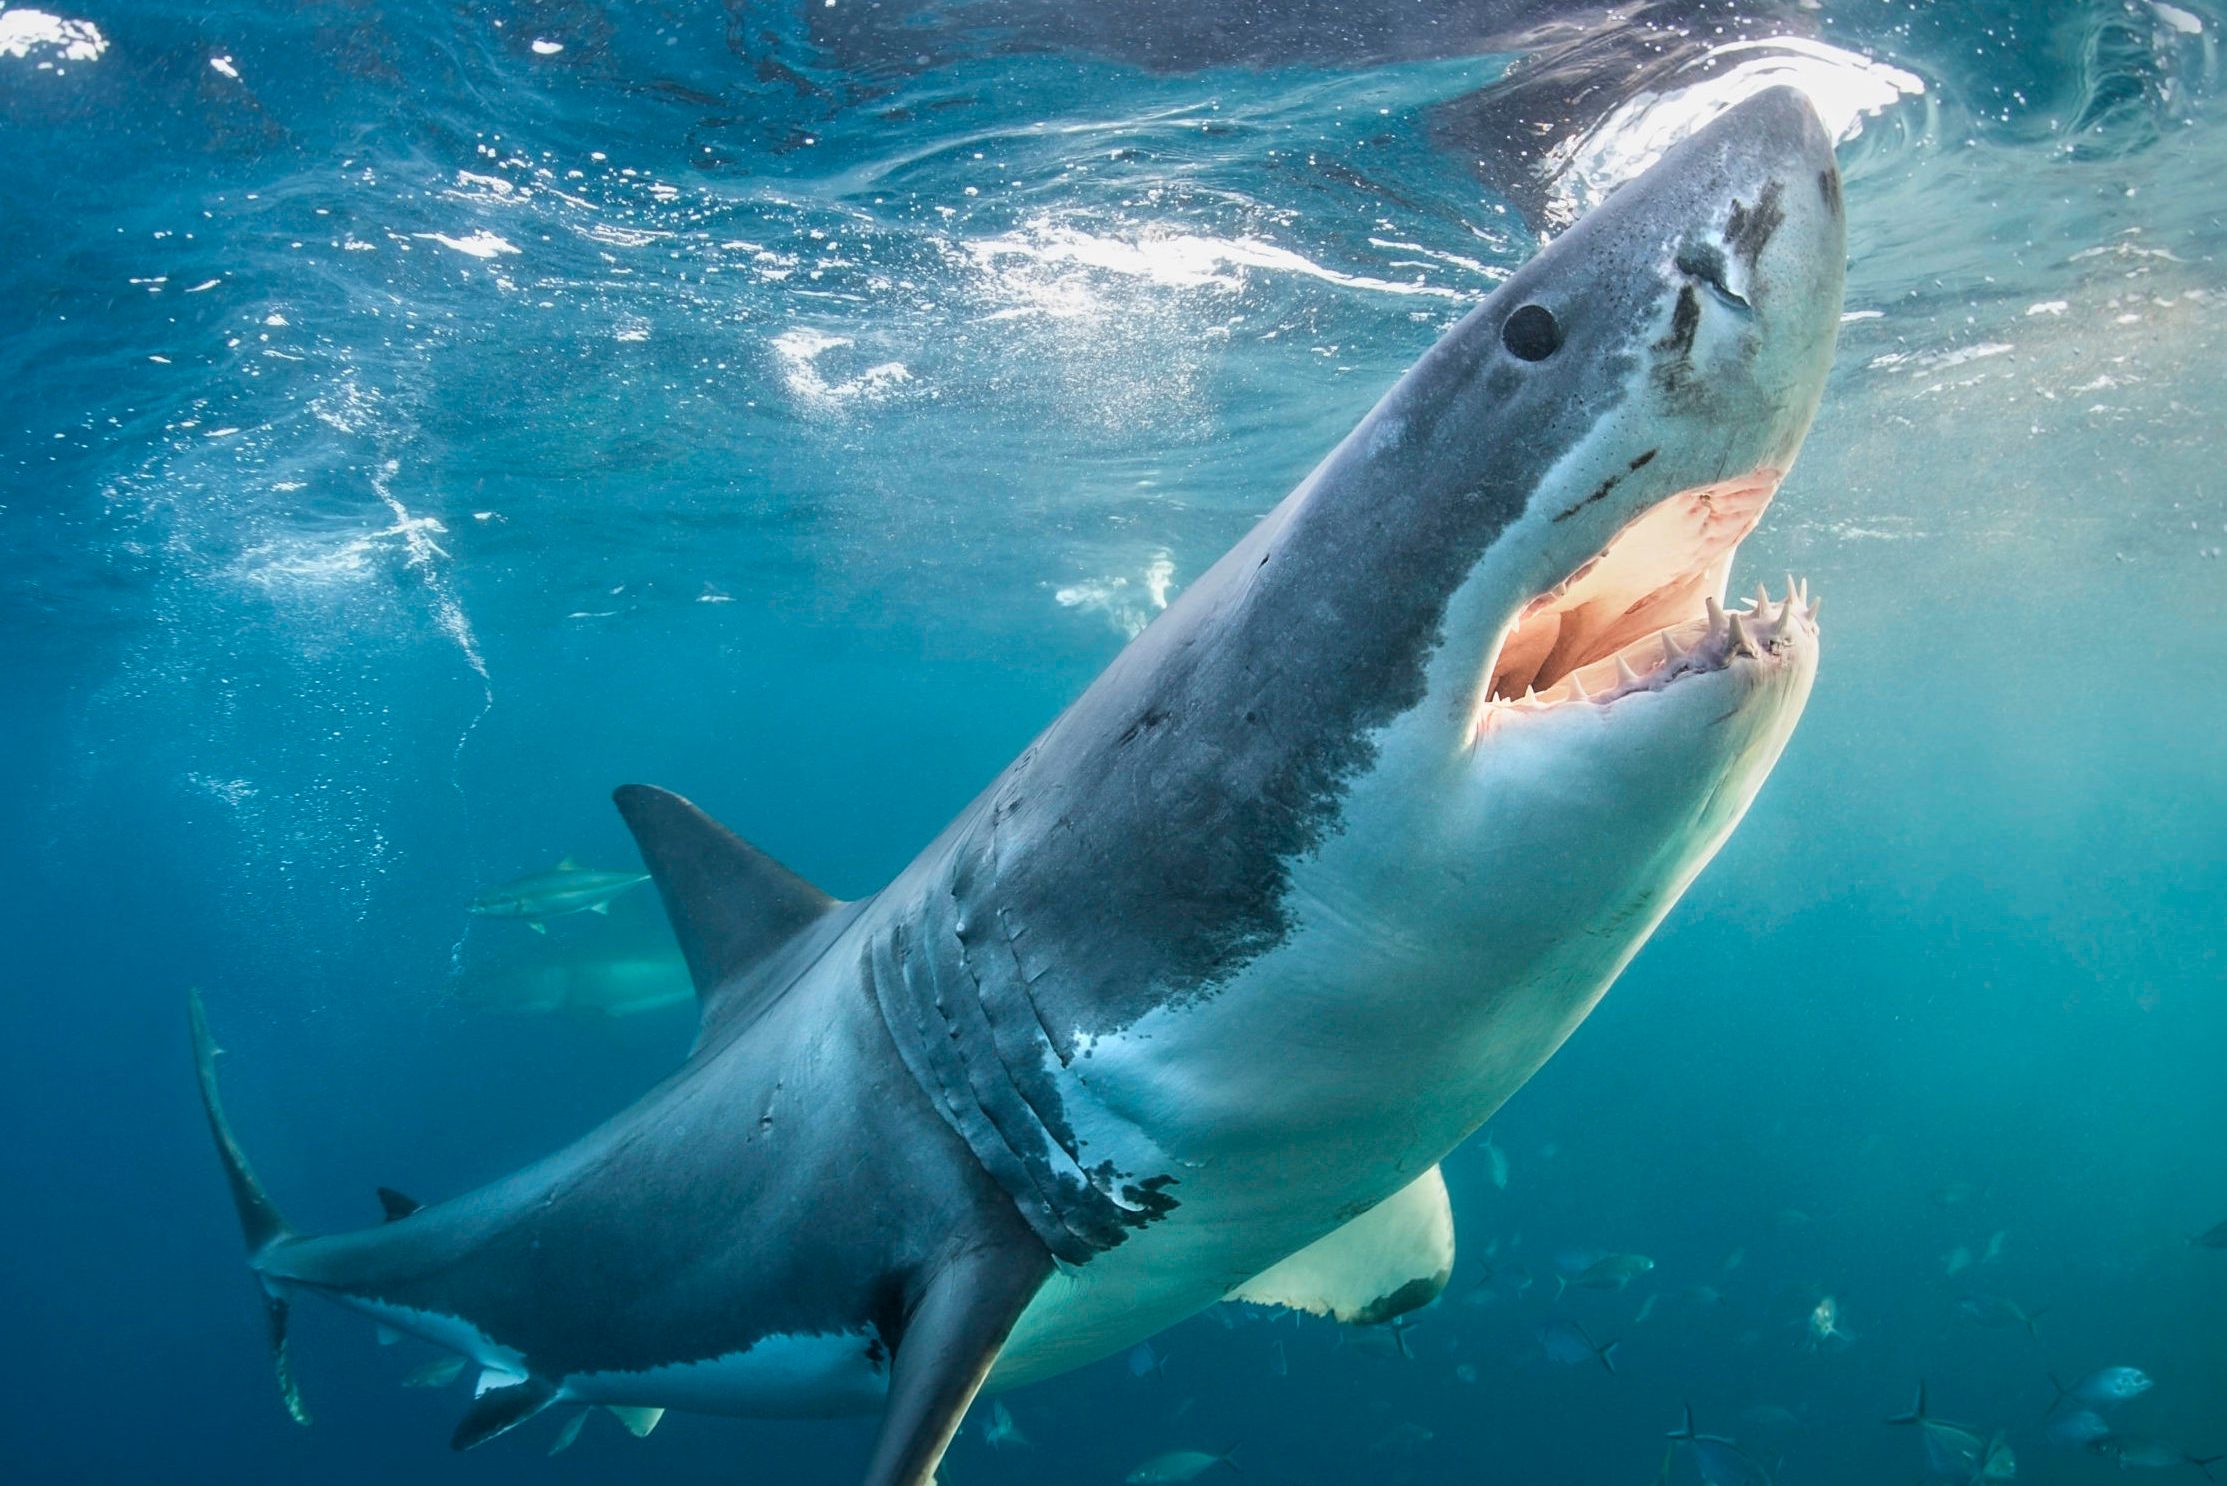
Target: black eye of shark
<point>1705,264</point>
<point>1531,333</point>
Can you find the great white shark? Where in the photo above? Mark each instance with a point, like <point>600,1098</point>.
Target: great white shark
<point>1192,999</point>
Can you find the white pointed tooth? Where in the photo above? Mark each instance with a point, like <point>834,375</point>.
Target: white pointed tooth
<point>1625,675</point>
<point>1716,616</point>
<point>1816,604</point>
<point>1531,696</point>
<point>1577,688</point>
<point>1804,593</point>
<point>1740,641</point>
<point>1671,653</point>
<point>1762,597</point>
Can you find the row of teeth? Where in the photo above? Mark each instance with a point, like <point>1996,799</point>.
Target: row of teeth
<point>1758,628</point>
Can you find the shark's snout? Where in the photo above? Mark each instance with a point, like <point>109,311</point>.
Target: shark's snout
<point>1727,261</point>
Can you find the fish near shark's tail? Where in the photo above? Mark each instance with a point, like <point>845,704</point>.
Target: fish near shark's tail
<point>260,1221</point>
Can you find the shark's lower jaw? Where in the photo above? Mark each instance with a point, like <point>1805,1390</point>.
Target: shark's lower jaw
<point>1647,612</point>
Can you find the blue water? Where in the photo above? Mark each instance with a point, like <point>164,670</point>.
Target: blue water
<point>416,420</point>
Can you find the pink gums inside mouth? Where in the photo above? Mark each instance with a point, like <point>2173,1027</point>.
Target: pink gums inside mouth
<point>1648,609</point>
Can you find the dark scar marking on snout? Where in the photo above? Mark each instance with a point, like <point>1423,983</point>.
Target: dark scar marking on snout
<point>1749,229</point>
<point>1642,461</point>
<point>1685,319</point>
<point>1605,487</point>
<point>1674,370</point>
<point>1152,718</point>
<point>1828,186</point>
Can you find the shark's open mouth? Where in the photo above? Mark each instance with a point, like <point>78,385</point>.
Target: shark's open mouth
<point>1648,610</point>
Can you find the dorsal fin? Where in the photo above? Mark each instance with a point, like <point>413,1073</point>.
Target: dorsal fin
<point>395,1205</point>
<point>731,904</point>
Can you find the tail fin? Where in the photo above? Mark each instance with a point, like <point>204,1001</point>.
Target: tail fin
<point>1917,1409</point>
<point>2205,1463</point>
<point>259,1216</point>
<point>1607,1354</point>
<point>1685,1430</point>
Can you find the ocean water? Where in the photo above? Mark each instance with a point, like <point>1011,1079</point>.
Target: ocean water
<point>417,419</point>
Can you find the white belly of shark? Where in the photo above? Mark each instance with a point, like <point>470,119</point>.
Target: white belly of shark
<point>804,1376</point>
<point>1270,1092</point>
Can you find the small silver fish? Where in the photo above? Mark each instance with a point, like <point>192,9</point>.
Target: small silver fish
<point>1385,1342</point>
<point>1610,1272</point>
<point>1178,1465</point>
<point>1145,1361</point>
<point>2137,1452</point>
<point>999,1431</point>
<point>2106,1388</point>
<point>1824,1324</point>
<point>1569,1344</point>
<point>2074,1429</point>
<point>1718,1461</point>
<point>1952,1452</point>
<point>1497,1160</point>
<point>1999,1314</point>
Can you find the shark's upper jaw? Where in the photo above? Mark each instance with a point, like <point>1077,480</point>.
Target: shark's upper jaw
<point>1647,611</point>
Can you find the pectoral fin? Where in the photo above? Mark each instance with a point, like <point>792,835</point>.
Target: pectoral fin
<point>960,1320</point>
<point>1394,1258</point>
<point>569,1433</point>
<point>638,1422</point>
<point>499,1409</point>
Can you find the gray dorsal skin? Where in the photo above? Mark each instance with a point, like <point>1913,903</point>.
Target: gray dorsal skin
<point>1269,920</point>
